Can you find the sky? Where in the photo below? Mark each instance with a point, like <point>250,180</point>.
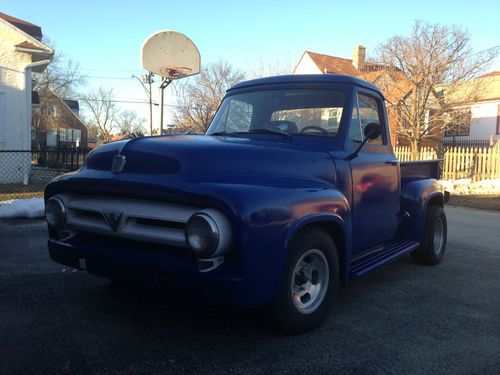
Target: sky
<point>105,37</point>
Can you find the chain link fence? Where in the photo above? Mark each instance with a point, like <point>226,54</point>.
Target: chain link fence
<point>25,173</point>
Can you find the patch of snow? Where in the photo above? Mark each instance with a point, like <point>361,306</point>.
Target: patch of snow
<point>466,186</point>
<point>22,208</point>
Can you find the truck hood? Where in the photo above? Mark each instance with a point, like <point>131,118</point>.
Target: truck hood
<point>191,159</point>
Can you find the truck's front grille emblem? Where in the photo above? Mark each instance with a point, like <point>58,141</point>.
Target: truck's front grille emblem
<point>118,163</point>
<point>113,219</point>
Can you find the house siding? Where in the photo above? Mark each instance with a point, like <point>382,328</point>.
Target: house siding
<point>15,89</point>
<point>483,122</point>
<point>306,65</point>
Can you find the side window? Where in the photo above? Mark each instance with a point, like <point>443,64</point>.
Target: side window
<point>355,128</point>
<point>369,112</point>
<point>239,116</point>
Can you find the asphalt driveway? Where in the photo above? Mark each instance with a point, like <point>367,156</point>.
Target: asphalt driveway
<point>404,318</point>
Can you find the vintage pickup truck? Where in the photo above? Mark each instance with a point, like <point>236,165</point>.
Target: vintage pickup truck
<point>293,191</point>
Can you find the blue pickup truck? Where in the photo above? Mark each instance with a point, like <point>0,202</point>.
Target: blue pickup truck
<point>293,191</point>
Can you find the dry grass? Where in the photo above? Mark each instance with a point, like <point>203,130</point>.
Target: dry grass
<point>18,191</point>
<point>483,202</point>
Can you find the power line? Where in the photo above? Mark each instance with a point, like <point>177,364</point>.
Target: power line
<point>128,101</point>
<point>102,77</point>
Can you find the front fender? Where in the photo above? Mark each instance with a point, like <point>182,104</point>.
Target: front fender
<point>271,229</point>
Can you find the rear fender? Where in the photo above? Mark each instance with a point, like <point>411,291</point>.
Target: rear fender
<point>415,198</point>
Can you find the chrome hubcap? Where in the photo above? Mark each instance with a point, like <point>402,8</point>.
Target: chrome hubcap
<point>310,281</point>
<point>438,236</point>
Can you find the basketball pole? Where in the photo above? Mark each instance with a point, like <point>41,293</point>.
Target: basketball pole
<point>163,85</point>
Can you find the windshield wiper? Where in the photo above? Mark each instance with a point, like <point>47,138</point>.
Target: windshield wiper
<point>269,131</point>
<point>231,134</point>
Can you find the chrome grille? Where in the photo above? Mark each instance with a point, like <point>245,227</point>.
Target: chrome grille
<point>136,219</point>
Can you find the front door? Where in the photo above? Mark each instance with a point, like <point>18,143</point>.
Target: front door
<point>375,178</point>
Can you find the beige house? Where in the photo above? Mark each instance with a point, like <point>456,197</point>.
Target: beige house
<point>482,112</point>
<point>21,54</point>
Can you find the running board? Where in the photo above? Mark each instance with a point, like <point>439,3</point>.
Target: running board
<point>380,256</point>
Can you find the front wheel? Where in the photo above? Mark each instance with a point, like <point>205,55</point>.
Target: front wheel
<point>434,237</point>
<point>309,284</point>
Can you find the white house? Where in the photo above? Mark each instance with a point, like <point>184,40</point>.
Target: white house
<point>21,54</point>
<point>483,115</point>
<point>317,63</point>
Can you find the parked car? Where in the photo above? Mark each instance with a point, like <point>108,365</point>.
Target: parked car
<point>293,191</point>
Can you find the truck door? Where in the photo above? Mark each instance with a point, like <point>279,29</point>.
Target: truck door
<point>375,177</point>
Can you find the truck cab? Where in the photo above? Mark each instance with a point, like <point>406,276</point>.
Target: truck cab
<point>293,191</point>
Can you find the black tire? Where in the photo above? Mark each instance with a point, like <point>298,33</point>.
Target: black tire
<point>435,223</point>
<point>286,315</point>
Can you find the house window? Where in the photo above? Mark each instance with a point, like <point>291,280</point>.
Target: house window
<point>51,137</point>
<point>498,119</point>
<point>459,124</point>
<point>50,110</point>
<point>72,135</point>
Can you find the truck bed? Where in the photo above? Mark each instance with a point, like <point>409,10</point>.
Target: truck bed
<point>420,169</point>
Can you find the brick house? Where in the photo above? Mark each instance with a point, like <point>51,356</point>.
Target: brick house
<point>56,122</point>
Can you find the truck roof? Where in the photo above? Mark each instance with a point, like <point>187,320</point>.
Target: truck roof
<point>306,78</point>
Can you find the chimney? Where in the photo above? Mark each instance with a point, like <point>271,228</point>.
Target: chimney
<point>358,58</point>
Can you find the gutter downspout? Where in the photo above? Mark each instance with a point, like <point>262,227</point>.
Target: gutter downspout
<point>26,133</point>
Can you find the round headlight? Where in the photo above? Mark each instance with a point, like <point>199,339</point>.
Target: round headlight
<point>202,234</point>
<point>55,213</point>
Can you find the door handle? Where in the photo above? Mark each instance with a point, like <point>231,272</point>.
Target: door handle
<point>392,162</point>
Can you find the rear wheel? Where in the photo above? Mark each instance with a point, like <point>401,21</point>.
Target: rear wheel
<point>309,283</point>
<point>434,237</point>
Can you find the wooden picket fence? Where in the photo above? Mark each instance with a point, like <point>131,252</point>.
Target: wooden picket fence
<point>476,163</point>
<point>426,153</point>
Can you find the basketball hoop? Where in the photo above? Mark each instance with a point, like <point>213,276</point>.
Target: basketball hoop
<point>175,72</point>
<point>170,54</point>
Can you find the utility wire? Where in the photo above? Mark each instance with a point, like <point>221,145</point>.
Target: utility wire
<point>128,101</point>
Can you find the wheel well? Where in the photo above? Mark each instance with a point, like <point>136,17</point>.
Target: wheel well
<point>436,201</point>
<point>335,232</point>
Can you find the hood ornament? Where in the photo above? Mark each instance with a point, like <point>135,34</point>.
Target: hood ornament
<point>113,219</point>
<point>118,164</point>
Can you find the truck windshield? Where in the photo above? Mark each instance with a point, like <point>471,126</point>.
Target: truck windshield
<point>294,111</point>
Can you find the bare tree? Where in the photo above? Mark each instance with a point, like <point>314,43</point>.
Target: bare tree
<point>62,77</point>
<point>128,123</point>
<point>430,77</point>
<point>102,111</point>
<point>199,98</point>
<point>270,68</point>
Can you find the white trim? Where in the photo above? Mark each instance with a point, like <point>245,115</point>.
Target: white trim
<point>32,50</point>
<point>38,64</point>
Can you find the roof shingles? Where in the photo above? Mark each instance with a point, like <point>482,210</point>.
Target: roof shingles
<point>333,64</point>
<point>29,28</point>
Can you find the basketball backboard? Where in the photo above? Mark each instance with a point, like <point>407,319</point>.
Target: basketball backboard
<point>170,54</point>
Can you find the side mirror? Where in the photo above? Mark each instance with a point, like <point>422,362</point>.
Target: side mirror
<point>372,130</point>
